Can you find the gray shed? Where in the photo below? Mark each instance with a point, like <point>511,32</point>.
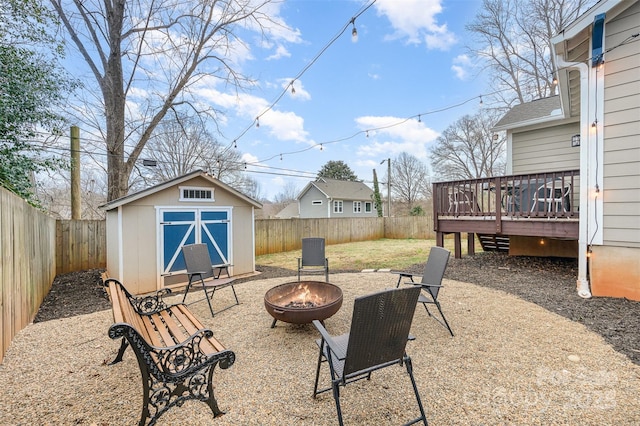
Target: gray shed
<point>146,230</point>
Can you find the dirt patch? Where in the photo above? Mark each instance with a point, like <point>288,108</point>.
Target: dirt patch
<point>547,282</point>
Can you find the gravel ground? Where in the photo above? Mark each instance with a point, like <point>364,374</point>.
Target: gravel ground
<point>512,362</point>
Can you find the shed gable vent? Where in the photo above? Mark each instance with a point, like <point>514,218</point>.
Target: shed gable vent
<point>192,193</point>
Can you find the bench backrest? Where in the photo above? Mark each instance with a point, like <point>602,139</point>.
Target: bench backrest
<point>123,310</point>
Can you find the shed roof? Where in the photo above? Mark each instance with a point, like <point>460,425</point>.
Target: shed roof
<point>175,181</point>
<point>340,189</point>
<point>538,111</point>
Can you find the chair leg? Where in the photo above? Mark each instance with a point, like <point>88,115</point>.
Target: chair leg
<point>315,386</point>
<point>206,295</point>
<point>186,291</point>
<point>336,395</point>
<point>408,364</point>
<point>446,323</point>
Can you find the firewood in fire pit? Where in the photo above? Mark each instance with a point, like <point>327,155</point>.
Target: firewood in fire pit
<point>300,305</point>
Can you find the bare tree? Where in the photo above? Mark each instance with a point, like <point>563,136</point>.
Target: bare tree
<point>288,194</point>
<point>183,145</point>
<point>408,179</point>
<point>513,38</point>
<point>469,149</point>
<point>160,50</point>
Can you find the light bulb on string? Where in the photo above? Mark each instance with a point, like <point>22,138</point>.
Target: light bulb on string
<point>354,32</point>
<point>321,147</point>
<point>280,157</point>
<point>554,81</point>
<point>293,89</point>
<point>235,144</point>
<point>367,133</point>
<point>245,166</point>
<point>257,121</point>
<point>481,100</point>
<point>419,118</point>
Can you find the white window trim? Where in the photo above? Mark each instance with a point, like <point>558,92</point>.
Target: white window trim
<point>181,197</point>
<point>337,203</point>
<point>359,207</point>
<point>368,204</point>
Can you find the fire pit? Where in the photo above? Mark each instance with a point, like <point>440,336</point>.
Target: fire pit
<point>302,302</point>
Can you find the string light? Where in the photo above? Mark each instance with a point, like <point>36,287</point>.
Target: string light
<point>354,32</point>
<point>321,147</point>
<point>481,100</point>
<point>258,121</point>
<point>293,89</point>
<point>235,144</point>
<point>419,118</point>
<point>280,157</point>
<point>555,79</point>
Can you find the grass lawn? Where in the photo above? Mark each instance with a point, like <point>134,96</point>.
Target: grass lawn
<point>379,254</point>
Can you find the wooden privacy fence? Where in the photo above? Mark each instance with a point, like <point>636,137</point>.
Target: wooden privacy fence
<point>27,264</point>
<point>279,235</point>
<point>81,245</point>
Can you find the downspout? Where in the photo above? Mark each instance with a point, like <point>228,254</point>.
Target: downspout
<point>582,283</point>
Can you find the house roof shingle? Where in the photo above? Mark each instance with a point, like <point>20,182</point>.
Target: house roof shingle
<point>341,189</point>
<point>537,111</point>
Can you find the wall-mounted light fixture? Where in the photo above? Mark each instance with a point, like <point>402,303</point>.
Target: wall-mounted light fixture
<point>575,140</point>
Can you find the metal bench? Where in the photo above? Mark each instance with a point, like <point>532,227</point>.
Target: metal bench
<point>176,353</point>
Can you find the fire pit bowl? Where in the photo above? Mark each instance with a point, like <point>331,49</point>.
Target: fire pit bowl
<point>302,302</point>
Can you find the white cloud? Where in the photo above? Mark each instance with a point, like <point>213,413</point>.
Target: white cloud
<point>282,125</point>
<point>393,136</point>
<point>416,21</point>
<point>461,66</point>
<point>281,52</point>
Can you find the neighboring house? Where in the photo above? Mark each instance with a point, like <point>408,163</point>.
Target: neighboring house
<point>336,198</point>
<point>146,230</point>
<point>592,125</point>
<point>290,211</point>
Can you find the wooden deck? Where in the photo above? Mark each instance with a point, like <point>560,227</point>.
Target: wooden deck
<point>541,205</point>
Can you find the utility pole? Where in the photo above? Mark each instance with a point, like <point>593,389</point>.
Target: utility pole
<point>76,201</point>
<point>388,160</point>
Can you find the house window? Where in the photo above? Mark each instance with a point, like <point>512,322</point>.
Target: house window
<point>194,193</point>
<point>368,207</point>
<point>357,206</point>
<point>316,202</point>
<point>337,206</point>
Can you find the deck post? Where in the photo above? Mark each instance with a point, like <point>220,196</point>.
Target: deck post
<point>457,241</point>
<point>471,244</point>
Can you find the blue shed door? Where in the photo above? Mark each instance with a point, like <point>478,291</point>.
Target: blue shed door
<point>181,227</point>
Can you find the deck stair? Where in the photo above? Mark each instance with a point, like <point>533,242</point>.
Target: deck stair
<point>492,242</point>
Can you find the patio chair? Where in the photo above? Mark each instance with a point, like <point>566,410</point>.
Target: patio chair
<point>554,195</point>
<point>431,282</point>
<point>377,339</point>
<point>313,260</point>
<point>199,268</point>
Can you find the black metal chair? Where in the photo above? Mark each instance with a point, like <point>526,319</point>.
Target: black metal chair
<point>377,339</point>
<point>313,260</point>
<point>431,281</point>
<point>199,267</point>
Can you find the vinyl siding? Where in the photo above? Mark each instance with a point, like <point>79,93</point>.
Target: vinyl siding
<point>545,150</point>
<point>621,162</point>
<point>308,210</point>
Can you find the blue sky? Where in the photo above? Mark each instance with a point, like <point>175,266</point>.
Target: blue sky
<point>354,101</point>
<point>409,59</point>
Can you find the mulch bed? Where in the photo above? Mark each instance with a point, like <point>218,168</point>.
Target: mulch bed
<point>547,282</point>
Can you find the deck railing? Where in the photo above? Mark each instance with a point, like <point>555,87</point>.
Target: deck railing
<point>533,195</point>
